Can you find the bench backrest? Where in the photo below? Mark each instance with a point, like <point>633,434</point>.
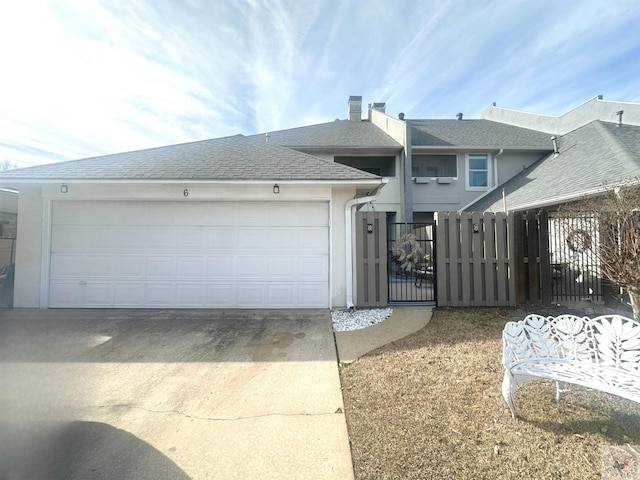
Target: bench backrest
<point>607,340</point>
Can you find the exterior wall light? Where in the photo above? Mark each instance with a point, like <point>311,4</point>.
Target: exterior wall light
<point>276,189</point>
<point>64,188</point>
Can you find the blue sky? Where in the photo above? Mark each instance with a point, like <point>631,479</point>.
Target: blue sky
<point>81,78</point>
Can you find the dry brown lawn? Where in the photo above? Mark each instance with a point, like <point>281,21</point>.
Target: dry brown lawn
<point>429,407</point>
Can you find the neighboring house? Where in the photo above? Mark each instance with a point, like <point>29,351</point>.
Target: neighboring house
<point>224,223</point>
<point>589,159</point>
<point>597,146</point>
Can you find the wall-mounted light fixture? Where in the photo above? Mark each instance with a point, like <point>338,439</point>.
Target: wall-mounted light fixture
<point>64,188</point>
<point>276,189</point>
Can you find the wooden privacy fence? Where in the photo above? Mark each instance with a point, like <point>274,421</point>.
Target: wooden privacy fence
<point>475,255</point>
<point>481,259</point>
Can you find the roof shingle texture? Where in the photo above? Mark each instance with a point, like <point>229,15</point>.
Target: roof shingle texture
<point>229,158</point>
<point>476,133</point>
<point>341,133</point>
<point>596,154</point>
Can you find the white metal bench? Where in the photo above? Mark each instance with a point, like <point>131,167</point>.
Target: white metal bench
<point>601,353</point>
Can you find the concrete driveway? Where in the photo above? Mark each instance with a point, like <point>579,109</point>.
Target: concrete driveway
<point>170,394</point>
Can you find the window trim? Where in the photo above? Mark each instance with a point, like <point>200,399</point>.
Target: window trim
<point>467,169</point>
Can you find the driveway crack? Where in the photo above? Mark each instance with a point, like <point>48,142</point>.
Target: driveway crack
<point>220,419</point>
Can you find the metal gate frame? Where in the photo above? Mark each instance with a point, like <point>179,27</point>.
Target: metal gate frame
<point>418,284</point>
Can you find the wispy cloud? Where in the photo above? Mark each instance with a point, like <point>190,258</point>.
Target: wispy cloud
<point>88,77</point>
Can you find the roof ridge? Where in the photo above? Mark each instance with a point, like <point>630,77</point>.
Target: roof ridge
<point>615,143</point>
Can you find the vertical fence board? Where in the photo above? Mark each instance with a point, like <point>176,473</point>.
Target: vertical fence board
<point>442,266</point>
<point>466,231</point>
<point>533,248</point>
<point>490,258</point>
<point>502,255</point>
<point>520,268</point>
<point>478,258</point>
<point>511,259</point>
<point>371,255</point>
<point>546,282</point>
<point>454,259</point>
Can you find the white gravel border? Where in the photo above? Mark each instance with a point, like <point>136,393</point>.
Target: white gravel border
<point>344,321</point>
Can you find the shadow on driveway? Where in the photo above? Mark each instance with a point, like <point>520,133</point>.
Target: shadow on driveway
<point>79,450</point>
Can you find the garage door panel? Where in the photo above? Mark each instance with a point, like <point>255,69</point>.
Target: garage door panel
<point>159,294</point>
<point>161,238</point>
<point>281,295</point>
<point>282,268</point>
<point>309,212</point>
<point>129,266</point>
<point>129,294</point>
<point>221,296</point>
<point>285,239</point>
<point>252,267</point>
<point>98,265</point>
<point>65,294</point>
<point>221,239</point>
<point>221,267</point>
<point>65,265</point>
<point>249,239</point>
<point>316,239</point>
<point>75,238</point>
<point>190,295</point>
<point>191,267</point>
<point>250,295</point>
<point>252,214</point>
<point>79,265</point>
<point>129,239</point>
<point>313,268</point>
<point>98,294</point>
<point>192,239</point>
<point>160,267</point>
<point>311,295</point>
<point>189,255</point>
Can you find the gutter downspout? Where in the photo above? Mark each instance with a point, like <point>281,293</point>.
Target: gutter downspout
<point>349,218</point>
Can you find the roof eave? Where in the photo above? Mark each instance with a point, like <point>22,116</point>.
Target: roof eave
<point>559,199</point>
<point>322,148</point>
<point>483,147</point>
<point>4,183</point>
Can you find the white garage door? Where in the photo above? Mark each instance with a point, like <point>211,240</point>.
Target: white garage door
<point>189,255</point>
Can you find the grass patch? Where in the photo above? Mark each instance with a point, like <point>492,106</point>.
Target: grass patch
<point>430,406</point>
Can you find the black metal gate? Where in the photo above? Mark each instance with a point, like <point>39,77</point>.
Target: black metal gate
<point>575,269</point>
<point>411,262</point>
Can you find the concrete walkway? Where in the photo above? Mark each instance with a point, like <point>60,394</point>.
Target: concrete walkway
<point>404,321</point>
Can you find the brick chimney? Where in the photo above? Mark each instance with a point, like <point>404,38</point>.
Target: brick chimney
<point>355,108</point>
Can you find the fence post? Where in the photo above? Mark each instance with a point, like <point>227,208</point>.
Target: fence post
<point>545,258</point>
<point>371,258</point>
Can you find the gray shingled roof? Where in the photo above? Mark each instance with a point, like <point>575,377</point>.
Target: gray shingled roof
<point>229,158</point>
<point>594,155</point>
<point>476,134</point>
<point>341,133</point>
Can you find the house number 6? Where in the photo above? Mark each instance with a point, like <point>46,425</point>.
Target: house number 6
<point>185,192</point>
